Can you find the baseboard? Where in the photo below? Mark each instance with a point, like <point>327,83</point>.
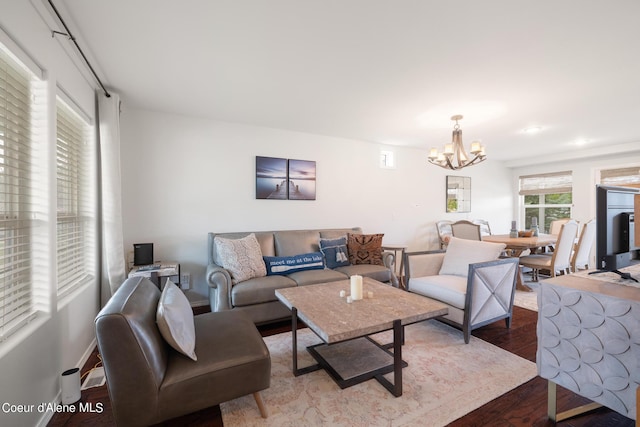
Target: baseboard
<point>48,415</point>
<point>87,353</point>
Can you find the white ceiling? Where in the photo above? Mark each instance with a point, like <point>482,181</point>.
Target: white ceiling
<point>390,72</point>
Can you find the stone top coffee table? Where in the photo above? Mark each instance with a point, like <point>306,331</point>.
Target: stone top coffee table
<point>348,354</point>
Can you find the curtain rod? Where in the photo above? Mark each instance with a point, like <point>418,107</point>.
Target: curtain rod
<point>72,38</point>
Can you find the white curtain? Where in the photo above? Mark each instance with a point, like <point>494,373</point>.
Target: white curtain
<point>113,259</point>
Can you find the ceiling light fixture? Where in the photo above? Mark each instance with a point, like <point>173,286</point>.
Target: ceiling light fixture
<point>454,156</point>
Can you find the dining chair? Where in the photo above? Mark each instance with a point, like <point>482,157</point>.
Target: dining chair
<point>485,230</point>
<point>582,251</point>
<point>444,232</point>
<point>554,228</point>
<point>560,260</point>
<point>466,230</point>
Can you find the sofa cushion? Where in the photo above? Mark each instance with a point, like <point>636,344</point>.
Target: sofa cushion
<point>233,361</point>
<point>290,264</point>
<point>316,276</point>
<point>174,317</point>
<point>365,248</point>
<point>375,272</point>
<point>461,252</point>
<point>242,257</point>
<point>259,290</point>
<point>290,243</point>
<point>449,289</point>
<point>335,252</point>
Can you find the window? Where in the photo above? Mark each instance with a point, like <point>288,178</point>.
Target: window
<point>387,159</point>
<point>547,197</point>
<point>621,177</point>
<point>21,207</point>
<point>75,177</point>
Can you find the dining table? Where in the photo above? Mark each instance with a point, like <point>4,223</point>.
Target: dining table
<point>515,246</point>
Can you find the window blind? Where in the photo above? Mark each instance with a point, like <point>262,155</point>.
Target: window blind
<point>558,182</point>
<point>75,191</point>
<point>621,177</point>
<point>19,208</point>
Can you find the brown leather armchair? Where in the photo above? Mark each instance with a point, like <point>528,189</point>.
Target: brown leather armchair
<point>149,381</point>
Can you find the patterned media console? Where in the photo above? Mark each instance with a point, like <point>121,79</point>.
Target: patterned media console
<point>589,341</point>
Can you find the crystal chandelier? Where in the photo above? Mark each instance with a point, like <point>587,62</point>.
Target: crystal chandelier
<point>454,156</point>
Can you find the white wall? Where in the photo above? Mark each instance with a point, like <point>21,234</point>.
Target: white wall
<point>184,176</point>
<point>30,363</point>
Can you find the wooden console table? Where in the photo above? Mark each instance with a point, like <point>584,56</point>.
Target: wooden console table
<point>588,335</point>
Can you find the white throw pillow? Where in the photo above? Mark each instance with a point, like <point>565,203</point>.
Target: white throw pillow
<point>242,257</point>
<point>461,252</point>
<point>175,320</point>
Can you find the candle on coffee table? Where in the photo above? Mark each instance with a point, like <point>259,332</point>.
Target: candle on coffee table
<point>356,287</point>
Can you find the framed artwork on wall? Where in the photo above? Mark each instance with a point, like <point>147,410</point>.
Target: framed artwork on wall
<point>302,180</point>
<point>271,178</point>
<point>285,179</point>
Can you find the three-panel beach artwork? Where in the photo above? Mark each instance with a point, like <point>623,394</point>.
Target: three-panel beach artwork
<point>285,179</point>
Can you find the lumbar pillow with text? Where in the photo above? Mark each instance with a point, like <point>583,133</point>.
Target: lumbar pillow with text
<point>365,248</point>
<point>335,252</point>
<point>290,264</point>
<point>242,257</point>
<point>461,252</point>
<point>175,320</point>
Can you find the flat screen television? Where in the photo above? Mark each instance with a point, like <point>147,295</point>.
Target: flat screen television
<point>615,222</point>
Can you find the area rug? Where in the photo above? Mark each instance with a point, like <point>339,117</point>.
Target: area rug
<point>445,380</point>
<point>528,300</point>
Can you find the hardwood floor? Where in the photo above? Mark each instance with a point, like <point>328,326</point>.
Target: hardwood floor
<point>522,406</point>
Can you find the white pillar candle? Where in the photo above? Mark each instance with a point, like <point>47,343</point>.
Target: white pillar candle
<point>356,287</point>
<point>349,300</point>
<point>342,294</point>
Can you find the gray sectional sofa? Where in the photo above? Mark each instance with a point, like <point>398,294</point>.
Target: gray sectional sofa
<point>256,296</point>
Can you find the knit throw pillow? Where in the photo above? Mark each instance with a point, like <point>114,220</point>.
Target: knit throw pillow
<point>242,257</point>
<point>365,248</point>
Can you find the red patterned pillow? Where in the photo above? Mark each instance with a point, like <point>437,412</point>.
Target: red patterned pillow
<point>365,248</point>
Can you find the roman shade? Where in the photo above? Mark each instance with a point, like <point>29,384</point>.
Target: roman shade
<point>549,183</point>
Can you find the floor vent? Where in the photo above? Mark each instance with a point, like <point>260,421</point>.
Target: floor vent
<point>95,378</point>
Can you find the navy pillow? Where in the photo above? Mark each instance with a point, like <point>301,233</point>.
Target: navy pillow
<point>335,252</point>
<point>281,265</point>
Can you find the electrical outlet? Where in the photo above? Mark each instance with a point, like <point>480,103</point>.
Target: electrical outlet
<point>185,280</point>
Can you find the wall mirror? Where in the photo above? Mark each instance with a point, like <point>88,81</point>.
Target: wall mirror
<point>458,194</point>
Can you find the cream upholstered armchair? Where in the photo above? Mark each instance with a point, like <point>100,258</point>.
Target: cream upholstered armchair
<point>469,277</point>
